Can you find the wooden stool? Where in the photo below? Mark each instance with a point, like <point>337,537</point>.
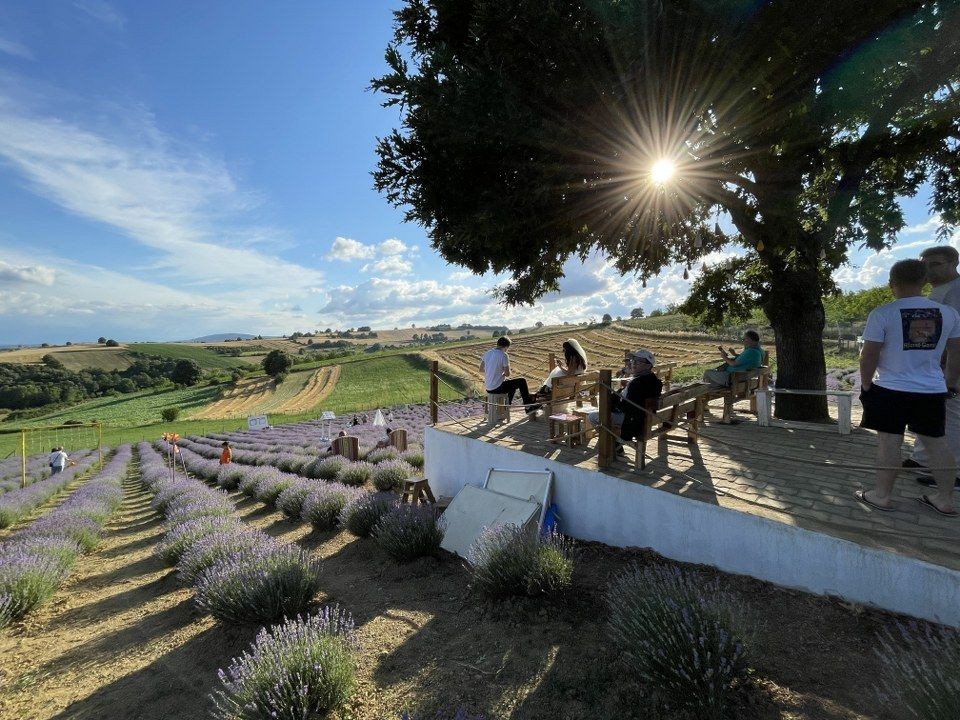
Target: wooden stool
<point>498,408</point>
<point>417,491</point>
<point>566,428</point>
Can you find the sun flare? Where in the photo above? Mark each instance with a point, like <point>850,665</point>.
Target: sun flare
<point>662,171</point>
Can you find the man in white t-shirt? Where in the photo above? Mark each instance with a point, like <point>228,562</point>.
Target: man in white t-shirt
<point>904,386</point>
<point>941,263</point>
<point>495,366</point>
<point>58,460</point>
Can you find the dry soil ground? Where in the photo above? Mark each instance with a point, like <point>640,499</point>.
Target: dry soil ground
<point>122,640</point>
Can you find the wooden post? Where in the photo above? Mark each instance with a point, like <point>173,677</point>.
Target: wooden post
<point>434,394</point>
<point>604,438</point>
<point>551,362</point>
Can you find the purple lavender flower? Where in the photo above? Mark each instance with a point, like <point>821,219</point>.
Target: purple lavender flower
<point>232,541</point>
<point>390,474</point>
<point>303,668</point>
<point>183,536</point>
<point>322,507</point>
<point>362,513</point>
<point>408,532</point>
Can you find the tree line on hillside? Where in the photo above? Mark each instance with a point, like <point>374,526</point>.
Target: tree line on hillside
<point>24,387</point>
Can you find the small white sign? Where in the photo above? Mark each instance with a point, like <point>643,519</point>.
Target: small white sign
<point>257,422</point>
<point>328,415</point>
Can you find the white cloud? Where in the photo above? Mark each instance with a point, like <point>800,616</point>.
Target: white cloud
<point>348,249</point>
<point>31,274</point>
<point>15,49</point>
<point>173,199</point>
<point>392,246</point>
<point>102,11</point>
<point>391,265</point>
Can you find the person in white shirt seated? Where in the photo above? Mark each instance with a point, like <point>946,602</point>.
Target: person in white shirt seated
<point>903,384</point>
<point>495,366</point>
<point>574,363</point>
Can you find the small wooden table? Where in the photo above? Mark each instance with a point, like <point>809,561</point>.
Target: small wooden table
<point>566,428</point>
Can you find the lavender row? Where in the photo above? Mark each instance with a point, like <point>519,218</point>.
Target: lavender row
<point>18,503</point>
<point>239,575</point>
<point>38,468</point>
<point>36,560</point>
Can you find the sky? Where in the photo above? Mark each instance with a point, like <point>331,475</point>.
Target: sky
<point>170,170</point>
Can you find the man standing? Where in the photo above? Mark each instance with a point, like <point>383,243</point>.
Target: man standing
<point>941,265</point>
<point>495,366</point>
<point>903,384</point>
<point>58,461</point>
<point>750,359</point>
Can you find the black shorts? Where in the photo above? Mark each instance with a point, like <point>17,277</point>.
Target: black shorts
<point>891,411</point>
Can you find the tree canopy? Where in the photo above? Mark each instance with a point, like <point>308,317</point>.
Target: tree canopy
<point>536,130</point>
<point>276,363</point>
<point>186,372</point>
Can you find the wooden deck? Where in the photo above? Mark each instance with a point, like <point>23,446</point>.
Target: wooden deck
<point>793,475</point>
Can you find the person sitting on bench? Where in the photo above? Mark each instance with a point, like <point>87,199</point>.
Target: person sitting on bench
<point>575,363</point>
<point>750,359</point>
<point>385,442</point>
<point>495,366</point>
<point>642,386</point>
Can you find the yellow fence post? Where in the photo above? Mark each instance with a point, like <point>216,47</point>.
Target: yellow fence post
<point>23,458</point>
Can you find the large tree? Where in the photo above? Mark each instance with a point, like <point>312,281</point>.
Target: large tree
<point>530,129</point>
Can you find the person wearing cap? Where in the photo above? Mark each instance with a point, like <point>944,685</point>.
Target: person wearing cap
<point>626,406</point>
<point>574,363</point>
<point>750,359</point>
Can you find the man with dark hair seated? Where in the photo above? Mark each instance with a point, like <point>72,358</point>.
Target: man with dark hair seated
<point>495,366</point>
<point>750,359</point>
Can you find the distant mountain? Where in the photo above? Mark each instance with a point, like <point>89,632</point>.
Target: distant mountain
<point>220,337</point>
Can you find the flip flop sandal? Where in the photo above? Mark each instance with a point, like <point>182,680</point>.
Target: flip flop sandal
<point>860,495</point>
<point>924,500</point>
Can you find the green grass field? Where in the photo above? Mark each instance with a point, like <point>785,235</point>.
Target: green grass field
<point>364,384</point>
<point>207,359</point>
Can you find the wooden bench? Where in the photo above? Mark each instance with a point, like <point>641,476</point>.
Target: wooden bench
<point>665,413</point>
<point>844,405</point>
<point>348,447</point>
<point>398,439</point>
<point>744,385</point>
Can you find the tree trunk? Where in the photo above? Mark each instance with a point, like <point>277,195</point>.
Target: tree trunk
<point>796,314</point>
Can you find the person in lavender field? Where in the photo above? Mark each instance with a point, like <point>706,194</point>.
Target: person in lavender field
<point>58,461</point>
<point>903,384</point>
<point>941,263</point>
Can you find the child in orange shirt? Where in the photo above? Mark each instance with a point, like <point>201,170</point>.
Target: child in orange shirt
<point>226,455</point>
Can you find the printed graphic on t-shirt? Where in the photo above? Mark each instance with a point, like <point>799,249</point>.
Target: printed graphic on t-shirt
<point>922,328</point>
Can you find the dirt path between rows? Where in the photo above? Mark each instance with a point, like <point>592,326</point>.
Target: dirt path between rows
<point>122,640</point>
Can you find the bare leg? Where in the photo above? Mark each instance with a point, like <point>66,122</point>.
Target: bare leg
<point>940,456</point>
<point>888,456</point>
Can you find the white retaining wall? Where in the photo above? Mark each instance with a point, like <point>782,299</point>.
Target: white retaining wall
<point>596,506</point>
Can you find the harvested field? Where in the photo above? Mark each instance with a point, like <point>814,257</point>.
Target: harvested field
<point>298,393</point>
<point>605,347</point>
<point>75,357</point>
<point>318,387</point>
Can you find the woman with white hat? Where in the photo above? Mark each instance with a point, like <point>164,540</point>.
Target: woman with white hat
<point>574,363</point>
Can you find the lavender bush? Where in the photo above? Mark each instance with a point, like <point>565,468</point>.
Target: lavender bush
<point>362,513</point>
<point>408,532</point>
<point>6,610</point>
<point>185,535</point>
<point>81,530</point>
<point>390,474</point>
<point>414,456</point>
<point>328,468</point>
<point>324,504</point>
<point>356,473</point>
<point>301,669</point>
<point>459,714</point>
<point>921,670</point>
<point>262,585</point>
<point>228,476</point>
<point>290,501</point>
<point>27,579</point>
<point>379,455</point>
<point>680,634</point>
<point>218,546</point>
<point>268,490</point>
<point>509,560</point>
